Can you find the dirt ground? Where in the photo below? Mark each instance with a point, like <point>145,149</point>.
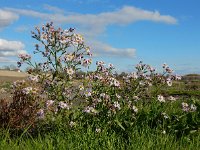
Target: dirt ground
<point>6,78</point>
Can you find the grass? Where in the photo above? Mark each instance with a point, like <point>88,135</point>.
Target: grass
<point>66,139</point>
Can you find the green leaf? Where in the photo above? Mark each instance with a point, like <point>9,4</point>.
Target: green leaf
<point>119,124</point>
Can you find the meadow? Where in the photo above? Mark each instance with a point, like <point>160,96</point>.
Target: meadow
<point>53,108</point>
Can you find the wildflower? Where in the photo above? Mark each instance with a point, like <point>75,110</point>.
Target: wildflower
<point>114,82</point>
<point>168,70</point>
<point>165,115</point>
<point>136,98</point>
<point>163,132</point>
<point>102,95</point>
<point>193,107</point>
<point>185,107</point>
<point>40,114</point>
<point>169,82</point>
<point>177,77</point>
<point>90,109</point>
<point>87,49</point>
<point>135,109</point>
<point>86,62</point>
<point>63,105</point>
<point>34,78</point>
<point>118,96</point>
<point>24,57</point>
<point>161,98</point>
<point>81,87</point>
<point>70,71</point>
<point>110,66</point>
<point>49,103</point>
<point>72,124</point>
<point>117,105</point>
<point>98,130</point>
<point>88,92</point>
<point>27,90</point>
<point>171,98</point>
<point>69,57</point>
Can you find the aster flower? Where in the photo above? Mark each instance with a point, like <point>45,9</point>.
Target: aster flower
<point>135,109</point>
<point>40,114</point>
<point>185,107</point>
<point>161,98</point>
<point>117,105</point>
<point>63,105</point>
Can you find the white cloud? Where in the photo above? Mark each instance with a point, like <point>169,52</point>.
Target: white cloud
<point>98,22</point>
<point>104,49</point>
<point>10,48</point>
<point>7,17</point>
<point>92,25</point>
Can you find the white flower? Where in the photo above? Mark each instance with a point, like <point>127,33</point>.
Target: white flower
<point>114,82</point>
<point>163,132</point>
<point>135,109</point>
<point>72,124</point>
<point>171,98</point>
<point>118,96</point>
<point>165,115</point>
<point>117,105</point>
<point>81,87</point>
<point>69,57</point>
<point>98,130</point>
<point>161,98</point>
<point>169,82</point>
<point>193,107</point>
<point>70,71</point>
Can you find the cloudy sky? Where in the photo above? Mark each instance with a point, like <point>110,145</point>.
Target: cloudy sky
<point>121,32</point>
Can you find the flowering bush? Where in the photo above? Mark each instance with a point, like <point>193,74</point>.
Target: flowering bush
<point>98,99</point>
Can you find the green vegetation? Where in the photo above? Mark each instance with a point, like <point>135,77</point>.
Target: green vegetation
<point>54,108</point>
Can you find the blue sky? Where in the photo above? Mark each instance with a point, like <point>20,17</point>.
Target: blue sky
<point>121,32</point>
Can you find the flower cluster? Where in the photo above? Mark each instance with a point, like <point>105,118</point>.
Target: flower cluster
<point>97,97</point>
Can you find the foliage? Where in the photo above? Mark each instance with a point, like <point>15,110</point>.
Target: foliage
<point>52,98</point>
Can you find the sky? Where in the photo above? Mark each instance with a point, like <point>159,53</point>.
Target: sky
<point>121,32</point>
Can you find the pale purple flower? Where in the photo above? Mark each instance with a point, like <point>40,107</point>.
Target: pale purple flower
<point>27,90</point>
<point>63,105</point>
<point>90,109</point>
<point>88,92</point>
<point>49,103</point>
<point>185,107</point>
<point>40,114</point>
<point>34,78</point>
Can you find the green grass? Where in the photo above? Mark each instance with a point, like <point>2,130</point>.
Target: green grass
<point>66,139</point>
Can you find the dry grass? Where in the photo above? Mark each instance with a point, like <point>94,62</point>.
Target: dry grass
<point>6,73</point>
